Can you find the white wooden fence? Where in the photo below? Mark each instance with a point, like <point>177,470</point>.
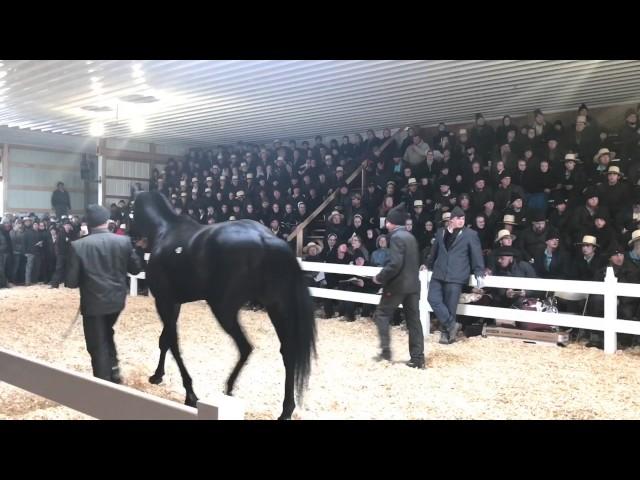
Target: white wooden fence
<point>106,400</point>
<point>610,288</point>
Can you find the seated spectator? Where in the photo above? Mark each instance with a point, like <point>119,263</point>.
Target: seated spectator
<point>552,262</point>
<point>357,248</point>
<point>312,253</point>
<point>336,225</point>
<point>380,256</point>
<point>358,284</point>
<point>507,265</point>
<point>504,239</point>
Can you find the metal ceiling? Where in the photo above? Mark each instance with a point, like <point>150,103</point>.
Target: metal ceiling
<point>192,103</point>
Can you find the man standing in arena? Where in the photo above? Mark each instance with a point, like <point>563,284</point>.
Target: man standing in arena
<point>456,251</point>
<point>400,282</point>
<point>98,264</point>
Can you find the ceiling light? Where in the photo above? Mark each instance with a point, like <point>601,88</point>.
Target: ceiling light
<point>138,125</point>
<point>137,98</point>
<point>96,129</point>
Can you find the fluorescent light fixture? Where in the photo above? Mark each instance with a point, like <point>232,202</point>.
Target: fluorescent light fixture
<point>96,129</point>
<point>138,125</point>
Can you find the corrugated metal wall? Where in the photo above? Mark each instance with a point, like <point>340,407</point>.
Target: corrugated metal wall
<point>32,174</point>
<point>33,162</point>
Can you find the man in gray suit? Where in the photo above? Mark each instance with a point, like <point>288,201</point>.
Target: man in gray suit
<point>98,264</point>
<point>400,283</point>
<point>455,252</point>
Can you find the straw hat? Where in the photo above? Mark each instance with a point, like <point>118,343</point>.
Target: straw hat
<point>334,213</point>
<point>509,220</point>
<point>305,250</point>
<point>503,234</point>
<point>635,236</point>
<point>589,240</point>
<point>603,151</point>
<point>615,170</point>
<point>572,157</point>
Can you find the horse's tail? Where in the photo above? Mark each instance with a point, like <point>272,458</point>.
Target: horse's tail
<point>304,329</point>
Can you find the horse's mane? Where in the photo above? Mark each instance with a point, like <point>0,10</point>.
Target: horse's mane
<point>153,213</point>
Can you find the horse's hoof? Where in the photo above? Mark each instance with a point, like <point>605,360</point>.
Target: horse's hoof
<point>155,379</point>
<point>284,417</point>
<point>191,401</point>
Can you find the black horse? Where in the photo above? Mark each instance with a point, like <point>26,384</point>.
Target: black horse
<point>227,265</point>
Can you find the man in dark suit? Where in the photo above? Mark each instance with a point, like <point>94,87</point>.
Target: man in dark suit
<point>400,282</point>
<point>552,262</point>
<point>456,251</point>
<point>98,264</point>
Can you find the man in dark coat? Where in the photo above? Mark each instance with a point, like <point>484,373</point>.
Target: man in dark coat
<point>508,265</point>
<point>588,262</point>
<point>552,262</point>
<point>5,252</point>
<point>61,250</point>
<point>98,264</point>
<point>455,253</point>
<point>60,201</point>
<point>484,137</point>
<point>400,282</point>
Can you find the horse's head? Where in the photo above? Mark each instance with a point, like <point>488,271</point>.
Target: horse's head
<point>151,212</point>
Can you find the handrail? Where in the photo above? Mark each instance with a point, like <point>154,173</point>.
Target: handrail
<point>298,231</point>
<point>323,205</point>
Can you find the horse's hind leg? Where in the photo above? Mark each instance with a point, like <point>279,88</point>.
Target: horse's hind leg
<point>279,322</point>
<point>228,319</point>
<point>169,340</point>
<point>156,378</point>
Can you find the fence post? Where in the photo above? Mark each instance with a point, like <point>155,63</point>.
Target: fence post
<point>299,243</point>
<point>133,286</point>
<point>423,305</point>
<point>610,312</point>
<point>223,407</point>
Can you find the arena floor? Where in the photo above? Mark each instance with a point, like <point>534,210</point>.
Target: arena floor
<point>478,378</point>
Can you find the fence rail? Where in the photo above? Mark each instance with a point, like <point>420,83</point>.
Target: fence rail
<point>610,288</point>
<point>106,400</point>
